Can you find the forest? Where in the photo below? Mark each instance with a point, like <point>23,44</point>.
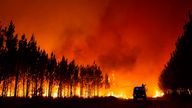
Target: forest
<point>26,70</point>
<point>175,78</point>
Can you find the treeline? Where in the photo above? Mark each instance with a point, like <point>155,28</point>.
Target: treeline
<point>176,77</point>
<point>26,70</point>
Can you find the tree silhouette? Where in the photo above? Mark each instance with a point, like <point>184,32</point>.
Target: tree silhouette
<point>73,74</point>
<point>1,37</point>
<point>42,64</point>
<point>51,72</point>
<point>176,76</point>
<point>82,79</point>
<point>22,59</point>
<point>61,74</point>
<point>1,52</point>
<point>98,76</point>
<point>11,45</point>
<point>107,83</point>
<point>26,70</point>
<point>3,74</point>
<point>91,79</point>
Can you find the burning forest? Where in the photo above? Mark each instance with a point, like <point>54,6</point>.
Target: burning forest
<point>129,40</point>
<point>96,53</point>
<point>28,71</point>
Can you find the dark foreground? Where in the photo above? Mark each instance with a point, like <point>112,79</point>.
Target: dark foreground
<point>107,102</point>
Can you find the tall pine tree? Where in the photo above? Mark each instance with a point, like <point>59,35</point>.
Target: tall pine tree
<point>177,74</point>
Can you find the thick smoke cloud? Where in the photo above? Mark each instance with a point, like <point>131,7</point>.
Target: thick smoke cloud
<point>115,59</point>
<point>130,38</point>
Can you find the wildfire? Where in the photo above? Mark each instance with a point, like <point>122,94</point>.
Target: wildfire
<point>120,95</point>
<point>158,94</point>
<point>55,95</point>
<point>115,90</point>
<point>102,93</point>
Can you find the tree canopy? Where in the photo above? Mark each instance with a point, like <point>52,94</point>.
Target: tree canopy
<point>26,70</point>
<point>176,76</point>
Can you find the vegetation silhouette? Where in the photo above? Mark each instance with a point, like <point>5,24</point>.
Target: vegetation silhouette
<point>25,67</point>
<point>176,77</point>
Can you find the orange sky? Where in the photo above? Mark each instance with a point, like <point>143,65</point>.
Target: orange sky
<point>130,38</point>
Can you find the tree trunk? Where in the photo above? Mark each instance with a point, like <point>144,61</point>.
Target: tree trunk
<point>4,89</point>
<point>81,89</point>
<point>41,88</point>
<point>59,93</point>
<point>36,86</point>
<point>64,90</point>
<point>50,88</point>
<point>27,87</point>
<point>24,85</point>
<point>10,90</point>
<point>71,88</point>
<point>74,89</point>
<point>16,82</point>
<point>94,87</point>
<point>89,91</point>
<point>97,89</point>
<point>32,86</point>
<point>68,89</point>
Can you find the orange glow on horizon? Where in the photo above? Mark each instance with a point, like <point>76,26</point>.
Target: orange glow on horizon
<point>114,90</point>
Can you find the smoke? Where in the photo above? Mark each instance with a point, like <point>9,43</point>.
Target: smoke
<point>109,44</point>
<point>134,38</point>
<point>116,59</point>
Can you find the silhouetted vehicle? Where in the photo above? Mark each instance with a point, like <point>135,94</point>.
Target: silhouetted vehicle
<point>139,93</point>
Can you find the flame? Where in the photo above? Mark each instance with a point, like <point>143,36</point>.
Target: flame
<point>120,95</point>
<point>102,93</point>
<point>55,95</point>
<point>158,94</point>
<point>115,90</point>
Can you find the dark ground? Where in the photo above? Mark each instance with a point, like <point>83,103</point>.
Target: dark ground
<point>107,102</point>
